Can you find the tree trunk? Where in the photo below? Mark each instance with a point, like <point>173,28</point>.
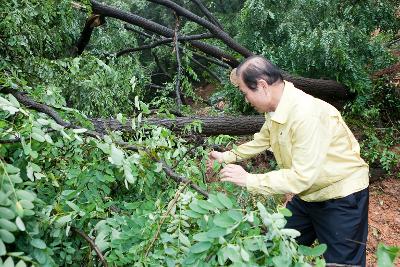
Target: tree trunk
<point>230,125</point>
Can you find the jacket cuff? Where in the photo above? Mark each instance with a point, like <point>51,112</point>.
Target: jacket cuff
<point>252,182</point>
<point>229,157</point>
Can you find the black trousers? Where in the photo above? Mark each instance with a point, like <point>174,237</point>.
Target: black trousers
<point>342,224</point>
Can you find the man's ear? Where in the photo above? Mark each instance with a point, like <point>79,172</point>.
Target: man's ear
<point>262,84</point>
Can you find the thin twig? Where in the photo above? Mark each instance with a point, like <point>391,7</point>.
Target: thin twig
<point>215,76</point>
<point>92,244</point>
<point>178,60</point>
<point>171,205</point>
<point>208,14</point>
<point>164,41</point>
<point>180,179</point>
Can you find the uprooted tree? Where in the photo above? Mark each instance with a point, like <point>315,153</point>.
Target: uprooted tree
<point>81,188</point>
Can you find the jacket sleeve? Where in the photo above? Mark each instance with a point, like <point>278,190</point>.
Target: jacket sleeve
<point>260,143</point>
<point>310,142</point>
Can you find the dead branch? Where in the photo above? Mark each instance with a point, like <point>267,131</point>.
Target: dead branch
<point>207,13</point>
<point>181,179</point>
<point>29,103</point>
<point>141,33</point>
<point>327,90</point>
<point>151,26</point>
<point>178,61</point>
<point>212,74</point>
<point>92,21</point>
<point>92,245</point>
<point>165,41</point>
<point>181,11</point>
<point>212,60</point>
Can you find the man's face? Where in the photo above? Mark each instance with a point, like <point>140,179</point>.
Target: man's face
<point>260,98</point>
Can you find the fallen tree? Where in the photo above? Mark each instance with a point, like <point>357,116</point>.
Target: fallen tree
<point>328,90</point>
<point>230,125</point>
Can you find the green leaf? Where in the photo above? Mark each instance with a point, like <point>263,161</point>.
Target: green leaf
<point>6,236</point>
<point>184,239</point>
<point>290,232</point>
<point>200,247</point>
<point>26,204</point>
<point>206,205</point>
<point>224,200</point>
<point>159,167</point>
<point>10,169</point>
<point>38,243</point>
<point>285,212</point>
<point>245,255</point>
<point>8,225</point>
<point>223,220</point>
<point>192,214</point>
<point>315,251</point>
<point>73,206</point>
<point>20,224</point>
<point>195,207</point>
<point>216,166</point>
<point>3,249</point>
<point>64,219</point>
<point>38,137</point>
<point>22,194</point>
<point>117,155</point>
<point>21,263</point>
<point>386,255</point>
<point>128,173</point>
<point>79,130</point>
<point>232,252</point>
<point>6,213</point>
<point>8,262</point>
<point>235,215</point>
<point>216,232</point>
<point>282,261</point>
<point>214,200</point>
<point>202,237</point>
<point>13,100</point>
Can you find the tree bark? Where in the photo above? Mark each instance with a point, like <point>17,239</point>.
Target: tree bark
<point>230,125</point>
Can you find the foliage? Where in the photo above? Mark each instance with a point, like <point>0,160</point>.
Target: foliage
<point>387,255</point>
<point>118,196</point>
<point>55,179</point>
<point>381,135</point>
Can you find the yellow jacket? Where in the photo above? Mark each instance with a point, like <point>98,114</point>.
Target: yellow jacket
<point>317,154</point>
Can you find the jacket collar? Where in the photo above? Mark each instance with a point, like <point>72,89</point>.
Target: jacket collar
<point>285,104</point>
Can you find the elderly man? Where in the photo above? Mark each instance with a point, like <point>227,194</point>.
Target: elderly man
<point>318,157</point>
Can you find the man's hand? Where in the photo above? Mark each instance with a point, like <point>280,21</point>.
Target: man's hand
<point>235,174</point>
<point>214,156</point>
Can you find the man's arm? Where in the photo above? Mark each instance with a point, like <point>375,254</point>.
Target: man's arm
<point>260,143</point>
<point>310,145</point>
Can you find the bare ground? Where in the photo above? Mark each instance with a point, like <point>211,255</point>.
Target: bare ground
<point>384,217</point>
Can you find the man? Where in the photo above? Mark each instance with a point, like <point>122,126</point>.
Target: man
<point>318,157</point>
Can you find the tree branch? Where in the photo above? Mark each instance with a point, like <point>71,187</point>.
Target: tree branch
<point>29,103</point>
<point>178,60</point>
<point>92,245</point>
<point>229,41</point>
<point>92,21</point>
<point>160,29</point>
<point>206,69</point>
<point>165,41</point>
<point>207,13</point>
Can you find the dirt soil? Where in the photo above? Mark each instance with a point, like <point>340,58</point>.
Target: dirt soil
<point>384,217</point>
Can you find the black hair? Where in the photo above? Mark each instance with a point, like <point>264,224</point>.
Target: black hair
<point>255,68</point>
